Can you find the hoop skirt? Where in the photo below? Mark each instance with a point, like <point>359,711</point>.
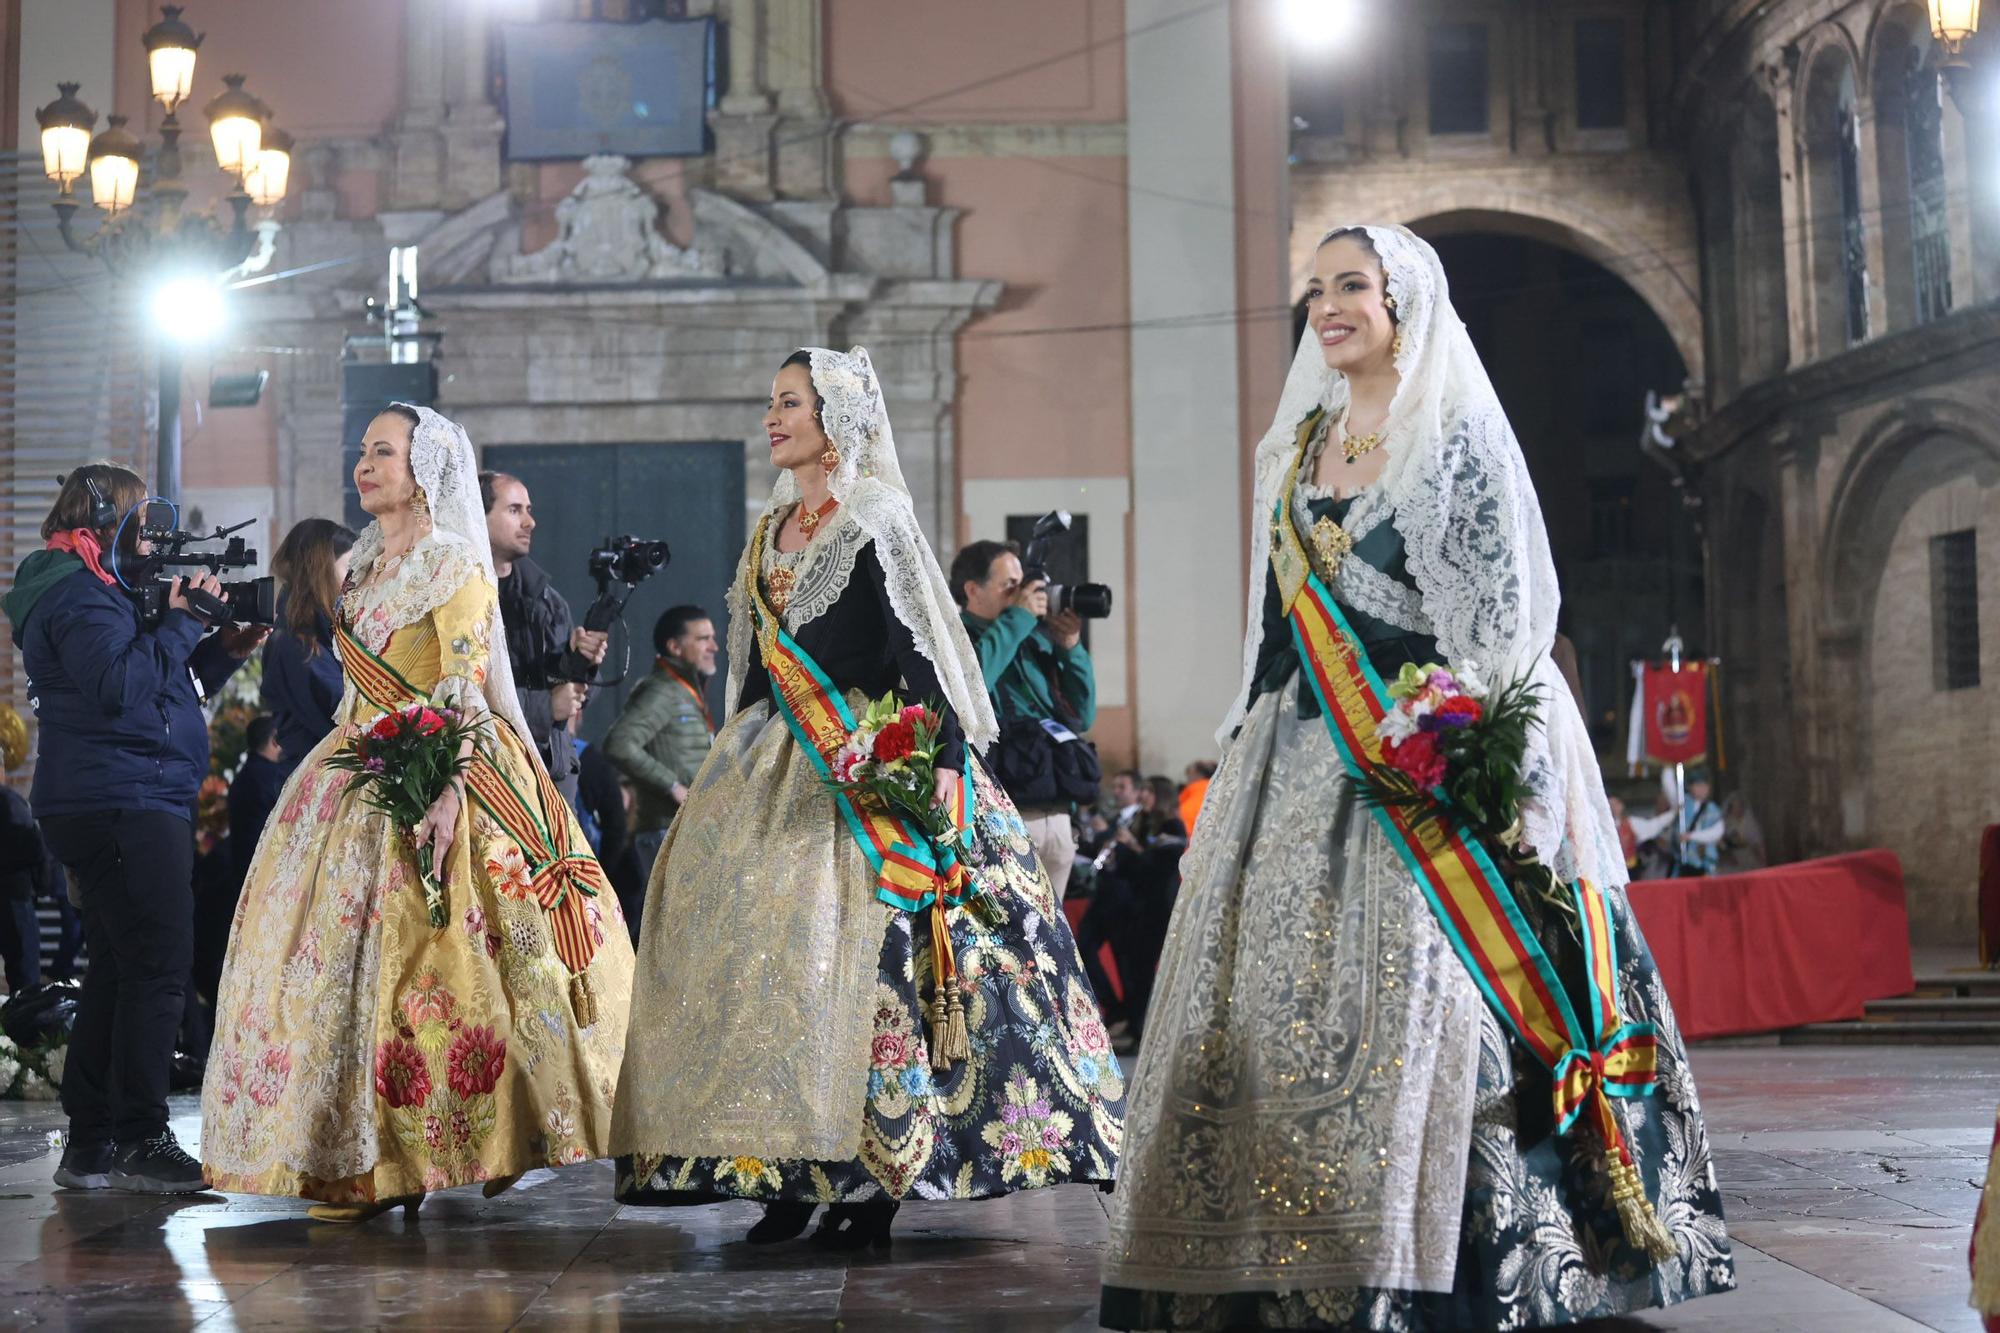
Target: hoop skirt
<point>362,1054</point>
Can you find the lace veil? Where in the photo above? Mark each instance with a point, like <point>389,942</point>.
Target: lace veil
<point>869,485</point>
<point>1458,489</point>
<point>442,460</point>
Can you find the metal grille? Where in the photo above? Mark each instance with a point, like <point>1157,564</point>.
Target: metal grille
<point>1854,245</point>
<point>1930,240</point>
<point>73,373</point>
<point>1955,611</point>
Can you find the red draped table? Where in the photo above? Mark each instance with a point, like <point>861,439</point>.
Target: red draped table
<point>1779,948</point>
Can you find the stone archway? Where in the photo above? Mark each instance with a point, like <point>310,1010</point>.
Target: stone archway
<point>1644,235</point>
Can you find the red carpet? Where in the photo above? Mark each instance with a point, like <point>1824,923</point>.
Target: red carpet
<point>1777,948</point>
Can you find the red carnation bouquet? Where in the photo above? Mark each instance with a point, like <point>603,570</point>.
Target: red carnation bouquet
<point>890,760</point>
<point>402,764</point>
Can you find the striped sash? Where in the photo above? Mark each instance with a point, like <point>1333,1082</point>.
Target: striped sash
<point>562,875</point>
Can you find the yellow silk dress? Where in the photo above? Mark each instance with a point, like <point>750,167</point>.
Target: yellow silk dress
<point>361,1053</point>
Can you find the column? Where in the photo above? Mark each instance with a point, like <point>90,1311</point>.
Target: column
<point>1186,496</point>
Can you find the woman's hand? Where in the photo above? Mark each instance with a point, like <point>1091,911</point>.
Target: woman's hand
<point>440,827</point>
<point>948,783</point>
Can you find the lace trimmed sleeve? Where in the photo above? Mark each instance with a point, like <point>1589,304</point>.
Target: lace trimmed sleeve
<point>463,623</point>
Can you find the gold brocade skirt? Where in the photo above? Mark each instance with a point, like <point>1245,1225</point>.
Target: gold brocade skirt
<point>359,1052</point>
<point>779,1048</point>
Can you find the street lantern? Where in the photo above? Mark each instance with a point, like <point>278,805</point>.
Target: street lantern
<point>66,125</point>
<point>170,48</point>
<point>236,123</point>
<point>114,167</point>
<point>1953,23</point>
<point>265,181</point>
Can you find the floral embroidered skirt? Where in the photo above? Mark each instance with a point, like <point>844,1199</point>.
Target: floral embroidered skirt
<point>362,1054</point>
<point>1040,1100</point>
<point>1306,1010</point>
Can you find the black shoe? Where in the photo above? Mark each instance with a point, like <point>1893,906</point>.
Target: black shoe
<point>781,1221</point>
<point>856,1226</point>
<point>86,1166</point>
<point>157,1166</point>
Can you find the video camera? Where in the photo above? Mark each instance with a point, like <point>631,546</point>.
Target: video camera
<point>1091,601</point>
<point>247,601</point>
<point>617,560</point>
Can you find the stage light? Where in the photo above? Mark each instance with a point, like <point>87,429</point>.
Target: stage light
<point>1317,26</point>
<point>188,309</point>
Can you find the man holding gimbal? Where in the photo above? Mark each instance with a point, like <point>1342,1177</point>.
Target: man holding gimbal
<point>122,750</point>
<point>539,627</point>
<point>1044,691</point>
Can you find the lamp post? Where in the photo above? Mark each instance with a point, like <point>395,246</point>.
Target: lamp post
<point>1955,23</point>
<point>190,253</point>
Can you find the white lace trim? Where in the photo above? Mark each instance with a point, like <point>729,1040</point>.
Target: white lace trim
<point>1458,488</point>
<point>821,571</point>
<point>869,485</point>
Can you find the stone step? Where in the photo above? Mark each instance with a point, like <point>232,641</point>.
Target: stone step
<point>1958,983</point>
<point>1952,1008</point>
<point>1914,1032</point>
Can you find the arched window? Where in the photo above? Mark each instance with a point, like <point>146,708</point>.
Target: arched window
<point>1838,245</point>
<point>1923,131</point>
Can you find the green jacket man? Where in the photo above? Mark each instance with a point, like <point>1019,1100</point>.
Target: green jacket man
<point>662,737</point>
<point>1027,656</point>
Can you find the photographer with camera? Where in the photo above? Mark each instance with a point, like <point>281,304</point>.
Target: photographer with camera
<point>123,748</point>
<point>539,629</point>
<point>1044,691</point>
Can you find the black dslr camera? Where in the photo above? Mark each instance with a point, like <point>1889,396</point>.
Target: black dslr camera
<point>1091,601</point>
<point>247,601</point>
<point>617,560</point>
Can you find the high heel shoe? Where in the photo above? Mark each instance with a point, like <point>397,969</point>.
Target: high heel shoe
<point>499,1185</point>
<point>365,1212</point>
<point>856,1226</point>
<point>782,1220</point>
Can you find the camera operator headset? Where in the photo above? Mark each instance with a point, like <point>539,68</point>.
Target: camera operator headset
<point>122,748</point>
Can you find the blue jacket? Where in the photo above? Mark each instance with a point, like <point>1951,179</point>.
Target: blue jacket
<point>302,693</point>
<point>121,726</point>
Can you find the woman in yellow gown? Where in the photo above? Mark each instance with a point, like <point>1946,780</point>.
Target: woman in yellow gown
<point>364,1057</point>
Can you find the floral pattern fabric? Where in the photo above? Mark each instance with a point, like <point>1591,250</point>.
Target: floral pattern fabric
<point>1040,1101</point>
<point>360,1053</point>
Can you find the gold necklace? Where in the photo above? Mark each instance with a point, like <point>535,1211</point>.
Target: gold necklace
<point>1357,447</point>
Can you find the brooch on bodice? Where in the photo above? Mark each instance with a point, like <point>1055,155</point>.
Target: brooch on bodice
<point>1332,544</point>
<point>778,587</point>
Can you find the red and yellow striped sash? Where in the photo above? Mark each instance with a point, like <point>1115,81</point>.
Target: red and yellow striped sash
<point>561,875</point>
<point>1468,895</point>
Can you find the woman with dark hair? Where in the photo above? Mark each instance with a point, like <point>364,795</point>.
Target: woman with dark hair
<point>302,683</point>
<point>122,750</point>
<point>817,1026</point>
<point>1380,1088</point>
<point>366,1053</point>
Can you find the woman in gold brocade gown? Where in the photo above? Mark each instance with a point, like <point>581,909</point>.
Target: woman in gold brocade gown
<point>363,1057</point>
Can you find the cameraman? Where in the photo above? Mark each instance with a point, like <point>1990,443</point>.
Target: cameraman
<point>538,626</point>
<point>123,750</point>
<point>1043,689</point>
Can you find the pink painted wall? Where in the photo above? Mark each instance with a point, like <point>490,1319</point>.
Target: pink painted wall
<point>1024,60</point>
<point>231,446</point>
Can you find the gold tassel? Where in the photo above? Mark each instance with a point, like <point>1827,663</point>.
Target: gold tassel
<point>957,1042</point>
<point>939,1023</point>
<point>582,1000</point>
<point>1643,1227</point>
